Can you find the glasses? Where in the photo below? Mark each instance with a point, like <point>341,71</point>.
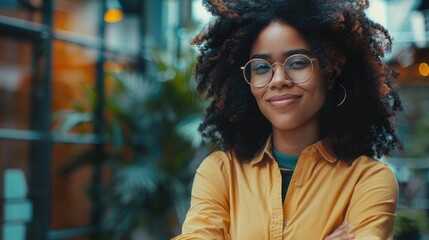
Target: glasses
<point>297,68</point>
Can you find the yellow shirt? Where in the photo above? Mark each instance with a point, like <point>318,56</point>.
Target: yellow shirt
<point>239,200</point>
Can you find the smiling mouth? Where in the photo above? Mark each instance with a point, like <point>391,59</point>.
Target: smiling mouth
<point>284,97</point>
<point>284,100</point>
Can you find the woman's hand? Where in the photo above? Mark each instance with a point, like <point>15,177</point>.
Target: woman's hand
<point>341,233</point>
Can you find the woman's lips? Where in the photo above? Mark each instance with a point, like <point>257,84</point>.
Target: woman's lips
<point>284,100</point>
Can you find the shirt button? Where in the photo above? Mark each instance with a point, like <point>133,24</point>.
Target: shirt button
<point>298,183</point>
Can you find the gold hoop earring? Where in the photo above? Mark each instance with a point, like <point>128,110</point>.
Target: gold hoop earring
<point>345,95</point>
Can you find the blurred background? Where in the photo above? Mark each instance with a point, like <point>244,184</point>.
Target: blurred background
<point>98,116</point>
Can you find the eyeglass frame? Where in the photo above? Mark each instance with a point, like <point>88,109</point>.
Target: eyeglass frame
<point>284,71</point>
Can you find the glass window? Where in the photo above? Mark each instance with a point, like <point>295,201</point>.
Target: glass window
<point>26,10</point>
<point>125,36</point>
<point>16,79</point>
<point>13,155</point>
<point>78,16</point>
<point>73,74</point>
<point>16,207</point>
<point>71,205</point>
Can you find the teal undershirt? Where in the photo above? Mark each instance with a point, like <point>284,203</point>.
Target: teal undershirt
<point>285,161</point>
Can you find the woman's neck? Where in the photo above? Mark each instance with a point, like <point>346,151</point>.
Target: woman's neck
<point>293,141</point>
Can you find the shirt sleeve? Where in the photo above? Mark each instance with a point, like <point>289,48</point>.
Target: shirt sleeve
<point>372,208</point>
<point>208,216</point>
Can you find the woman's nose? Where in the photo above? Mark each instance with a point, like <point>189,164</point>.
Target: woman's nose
<point>279,78</point>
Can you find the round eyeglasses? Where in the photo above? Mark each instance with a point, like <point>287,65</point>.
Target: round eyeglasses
<point>297,68</point>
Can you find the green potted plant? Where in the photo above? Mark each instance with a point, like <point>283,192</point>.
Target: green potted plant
<point>152,141</point>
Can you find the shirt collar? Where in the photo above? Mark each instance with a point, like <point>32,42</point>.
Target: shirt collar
<point>265,151</point>
<point>323,146</point>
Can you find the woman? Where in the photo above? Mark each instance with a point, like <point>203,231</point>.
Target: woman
<point>302,103</point>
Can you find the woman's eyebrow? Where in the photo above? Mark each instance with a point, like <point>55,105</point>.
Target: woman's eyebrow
<point>298,51</point>
<point>261,55</point>
<point>286,54</point>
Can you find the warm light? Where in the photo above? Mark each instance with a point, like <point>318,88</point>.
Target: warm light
<point>424,69</point>
<point>114,11</point>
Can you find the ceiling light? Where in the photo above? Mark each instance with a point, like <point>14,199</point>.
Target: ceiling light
<point>114,12</point>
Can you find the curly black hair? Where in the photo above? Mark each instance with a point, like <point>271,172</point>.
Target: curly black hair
<point>350,48</point>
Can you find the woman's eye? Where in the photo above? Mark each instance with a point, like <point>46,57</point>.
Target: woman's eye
<point>297,63</point>
<point>261,68</point>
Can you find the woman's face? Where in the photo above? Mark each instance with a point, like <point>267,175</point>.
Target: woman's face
<point>287,105</point>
